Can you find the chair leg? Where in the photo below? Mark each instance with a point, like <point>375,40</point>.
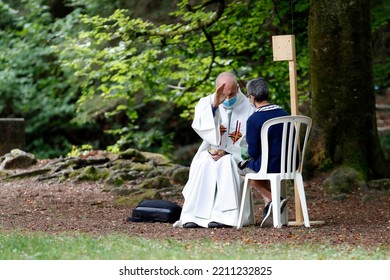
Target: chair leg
<point>244,199</point>
<point>275,193</point>
<point>283,193</point>
<point>302,198</point>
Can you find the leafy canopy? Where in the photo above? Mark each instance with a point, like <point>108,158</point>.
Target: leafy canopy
<point>127,64</point>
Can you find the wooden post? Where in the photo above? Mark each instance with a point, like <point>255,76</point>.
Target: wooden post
<point>284,50</point>
<point>12,134</point>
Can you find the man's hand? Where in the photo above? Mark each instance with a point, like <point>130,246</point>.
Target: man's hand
<point>217,157</point>
<point>217,154</point>
<point>219,96</point>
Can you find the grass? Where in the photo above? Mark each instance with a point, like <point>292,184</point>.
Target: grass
<point>40,246</point>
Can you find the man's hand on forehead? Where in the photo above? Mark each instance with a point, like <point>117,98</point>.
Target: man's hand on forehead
<point>219,95</point>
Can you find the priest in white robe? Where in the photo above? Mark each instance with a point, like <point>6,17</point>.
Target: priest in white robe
<point>212,194</point>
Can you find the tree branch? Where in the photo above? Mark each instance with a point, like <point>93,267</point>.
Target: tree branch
<point>210,40</point>
<point>200,26</point>
<point>277,12</point>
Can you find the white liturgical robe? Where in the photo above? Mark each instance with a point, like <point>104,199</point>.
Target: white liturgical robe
<point>213,189</point>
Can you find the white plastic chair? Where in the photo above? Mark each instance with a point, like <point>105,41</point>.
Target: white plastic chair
<point>295,128</point>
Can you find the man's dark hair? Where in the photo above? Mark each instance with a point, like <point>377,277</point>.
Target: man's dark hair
<point>258,88</point>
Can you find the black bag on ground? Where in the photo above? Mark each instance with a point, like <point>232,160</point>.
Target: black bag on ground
<point>155,210</point>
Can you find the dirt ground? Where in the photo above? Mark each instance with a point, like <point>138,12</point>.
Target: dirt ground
<point>361,218</point>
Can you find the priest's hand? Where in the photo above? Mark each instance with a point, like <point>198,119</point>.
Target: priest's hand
<point>218,155</point>
<point>219,96</point>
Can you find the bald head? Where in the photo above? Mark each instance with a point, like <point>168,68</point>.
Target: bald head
<point>225,77</point>
<point>231,88</point>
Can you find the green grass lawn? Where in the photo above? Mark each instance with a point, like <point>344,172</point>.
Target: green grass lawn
<point>40,246</point>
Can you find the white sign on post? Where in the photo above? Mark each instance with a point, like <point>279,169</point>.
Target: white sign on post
<point>283,47</point>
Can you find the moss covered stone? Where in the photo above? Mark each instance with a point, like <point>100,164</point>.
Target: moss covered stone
<point>157,159</point>
<point>92,173</point>
<point>380,184</point>
<point>115,180</point>
<point>343,180</point>
<point>141,167</point>
<point>134,199</point>
<point>132,154</point>
<point>159,182</point>
<point>180,175</point>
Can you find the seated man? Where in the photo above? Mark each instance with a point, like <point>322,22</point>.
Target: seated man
<point>258,92</point>
<point>212,194</point>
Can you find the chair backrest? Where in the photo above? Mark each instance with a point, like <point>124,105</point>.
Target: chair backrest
<point>294,129</point>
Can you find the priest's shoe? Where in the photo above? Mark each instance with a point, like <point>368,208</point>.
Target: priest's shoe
<point>190,225</point>
<point>216,225</point>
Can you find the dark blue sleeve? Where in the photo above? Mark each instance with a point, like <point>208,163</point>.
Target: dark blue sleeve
<point>214,109</point>
<point>253,138</point>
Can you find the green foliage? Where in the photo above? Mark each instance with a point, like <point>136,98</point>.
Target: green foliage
<point>32,83</point>
<point>134,66</point>
<point>94,7</point>
<point>107,77</point>
<point>380,14</point>
<point>381,27</point>
<point>384,139</point>
<point>79,151</point>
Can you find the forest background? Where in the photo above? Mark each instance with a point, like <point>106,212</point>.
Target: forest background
<point>118,74</point>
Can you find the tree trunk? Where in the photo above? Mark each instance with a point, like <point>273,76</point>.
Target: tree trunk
<point>343,104</point>
<point>12,135</point>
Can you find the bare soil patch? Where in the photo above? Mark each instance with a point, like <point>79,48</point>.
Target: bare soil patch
<point>361,218</point>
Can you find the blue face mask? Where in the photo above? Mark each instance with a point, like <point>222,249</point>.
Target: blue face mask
<point>230,102</point>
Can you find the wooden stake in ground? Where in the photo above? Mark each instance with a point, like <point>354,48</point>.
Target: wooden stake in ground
<point>283,47</point>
